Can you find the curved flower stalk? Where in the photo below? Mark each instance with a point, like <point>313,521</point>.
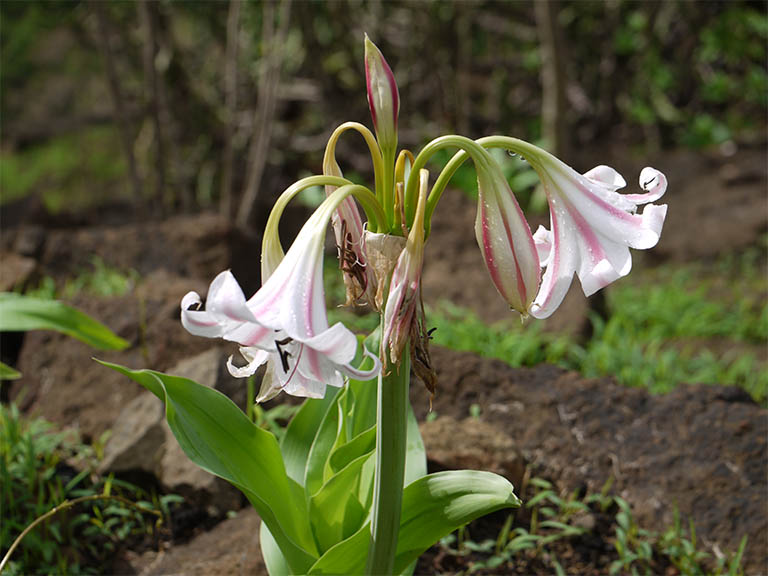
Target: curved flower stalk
<point>285,322</point>
<point>405,286</point>
<point>359,280</point>
<point>501,229</point>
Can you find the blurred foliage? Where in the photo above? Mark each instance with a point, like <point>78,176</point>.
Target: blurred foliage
<point>40,468</point>
<point>100,280</point>
<point>659,73</point>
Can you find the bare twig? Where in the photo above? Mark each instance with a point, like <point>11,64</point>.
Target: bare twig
<point>66,505</point>
<point>121,118</point>
<point>272,61</point>
<point>554,127</point>
<point>151,95</point>
<point>230,96</point>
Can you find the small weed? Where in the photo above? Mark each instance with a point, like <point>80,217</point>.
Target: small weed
<point>101,280</point>
<point>551,523</point>
<point>39,469</point>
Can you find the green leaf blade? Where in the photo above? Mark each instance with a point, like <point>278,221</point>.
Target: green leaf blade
<point>217,436</point>
<point>21,313</point>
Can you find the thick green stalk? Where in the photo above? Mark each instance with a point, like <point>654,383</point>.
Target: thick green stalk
<point>390,465</point>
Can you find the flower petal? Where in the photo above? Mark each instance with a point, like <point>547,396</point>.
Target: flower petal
<point>255,359</point>
<point>593,228</point>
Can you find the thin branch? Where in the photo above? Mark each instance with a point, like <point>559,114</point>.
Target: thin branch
<point>66,505</point>
<point>230,96</point>
<point>268,86</point>
<point>151,95</point>
<point>553,79</point>
<point>120,116</point>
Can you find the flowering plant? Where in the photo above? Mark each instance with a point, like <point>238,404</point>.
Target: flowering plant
<point>346,490</point>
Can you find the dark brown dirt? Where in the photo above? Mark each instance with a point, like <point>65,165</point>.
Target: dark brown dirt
<point>700,449</point>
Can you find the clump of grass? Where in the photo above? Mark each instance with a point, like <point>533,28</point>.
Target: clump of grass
<point>551,520</point>
<point>40,468</point>
<point>100,280</point>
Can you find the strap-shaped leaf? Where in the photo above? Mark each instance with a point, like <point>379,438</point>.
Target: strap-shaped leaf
<point>363,443</point>
<point>21,313</point>
<point>273,557</point>
<point>218,437</point>
<point>8,373</point>
<point>415,455</point>
<point>322,446</point>
<point>433,507</point>
<point>336,510</point>
<point>301,433</point>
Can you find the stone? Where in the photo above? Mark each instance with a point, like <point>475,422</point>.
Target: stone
<point>232,547</point>
<point>137,438</point>
<point>16,271</point>
<point>471,444</point>
<point>143,441</point>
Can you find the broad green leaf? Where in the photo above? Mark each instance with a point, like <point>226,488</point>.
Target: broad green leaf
<point>335,511</point>
<point>8,373</point>
<point>21,313</point>
<point>433,507</point>
<point>219,438</point>
<point>301,433</point>
<point>322,446</point>
<point>416,455</point>
<point>363,443</point>
<point>273,556</point>
<point>365,393</point>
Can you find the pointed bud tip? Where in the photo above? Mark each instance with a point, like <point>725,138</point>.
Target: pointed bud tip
<point>383,96</point>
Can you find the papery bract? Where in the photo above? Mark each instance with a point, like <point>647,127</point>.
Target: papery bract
<point>285,322</point>
<point>359,280</point>
<point>404,287</point>
<point>505,239</point>
<point>383,97</point>
<point>592,227</point>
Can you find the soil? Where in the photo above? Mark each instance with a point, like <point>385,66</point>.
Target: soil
<point>701,449</point>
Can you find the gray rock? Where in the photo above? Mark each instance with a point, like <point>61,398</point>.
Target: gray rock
<point>16,271</point>
<point>137,438</point>
<point>472,444</point>
<point>141,440</point>
<point>232,547</point>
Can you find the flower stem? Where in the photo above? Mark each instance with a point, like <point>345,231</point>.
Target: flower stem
<point>390,465</point>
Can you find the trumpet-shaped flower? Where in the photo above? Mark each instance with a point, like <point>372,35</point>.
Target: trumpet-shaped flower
<point>505,239</point>
<point>383,97</point>
<point>284,323</point>
<point>592,227</point>
<point>404,287</point>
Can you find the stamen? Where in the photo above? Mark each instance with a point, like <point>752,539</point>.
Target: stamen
<point>284,354</point>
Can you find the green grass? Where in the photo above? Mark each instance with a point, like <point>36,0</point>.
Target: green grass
<point>671,325</point>
<point>71,172</point>
<point>100,280</point>
<point>549,520</point>
<point>40,467</point>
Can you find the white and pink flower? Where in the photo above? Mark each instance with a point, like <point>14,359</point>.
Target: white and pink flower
<point>284,323</point>
<point>592,227</point>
